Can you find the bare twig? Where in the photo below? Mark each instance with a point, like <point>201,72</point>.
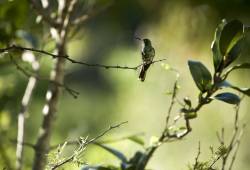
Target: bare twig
<point>21,116</point>
<point>172,101</point>
<point>234,137</point>
<point>237,144</point>
<point>215,160</point>
<point>15,47</point>
<point>234,141</point>
<point>37,77</point>
<point>197,157</point>
<point>83,144</point>
<point>75,142</point>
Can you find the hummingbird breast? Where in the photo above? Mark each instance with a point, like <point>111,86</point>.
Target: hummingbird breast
<point>148,54</point>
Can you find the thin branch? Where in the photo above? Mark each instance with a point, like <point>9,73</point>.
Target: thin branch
<point>75,142</point>
<point>234,142</point>
<point>15,47</point>
<point>234,137</point>
<point>83,144</point>
<point>21,116</point>
<point>214,161</point>
<point>198,155</point>
<point>37,77</point>
<point>237,144</point>
<point>172,101</point>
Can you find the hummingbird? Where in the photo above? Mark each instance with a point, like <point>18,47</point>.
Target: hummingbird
<point>148,53</point>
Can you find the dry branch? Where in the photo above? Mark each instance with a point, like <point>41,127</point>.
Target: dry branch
<point>15,47</point>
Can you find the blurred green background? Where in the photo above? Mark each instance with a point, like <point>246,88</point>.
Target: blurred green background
<point>179,30</point>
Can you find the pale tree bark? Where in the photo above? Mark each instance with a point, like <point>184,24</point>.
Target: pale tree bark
<point>21,116</point>
<point>53,94</point>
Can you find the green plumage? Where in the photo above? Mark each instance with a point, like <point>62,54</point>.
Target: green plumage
<point>148,53</point>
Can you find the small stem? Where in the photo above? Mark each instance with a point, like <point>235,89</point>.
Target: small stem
<point>197,157</point>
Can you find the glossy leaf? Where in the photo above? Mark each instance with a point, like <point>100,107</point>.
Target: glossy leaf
<point>201,76</point>
<point>228,98</point>
<point>231,33</point>
<point>234,52</point>
<point>217,56</point>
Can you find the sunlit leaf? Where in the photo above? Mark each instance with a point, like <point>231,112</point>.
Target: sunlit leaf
<point>227,43</point>
<point>136,139</point>
<point>231,33</point>
<point>234,52</point>
<point>217,56</point>
<point>228,98</point>
<point>201,76</point>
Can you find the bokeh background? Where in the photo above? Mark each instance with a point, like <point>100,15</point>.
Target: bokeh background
<point>179,29</point>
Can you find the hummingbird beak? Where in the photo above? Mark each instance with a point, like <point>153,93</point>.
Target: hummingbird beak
<point>138,38</point>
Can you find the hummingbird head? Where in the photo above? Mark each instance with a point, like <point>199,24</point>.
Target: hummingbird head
<point>147,42</point>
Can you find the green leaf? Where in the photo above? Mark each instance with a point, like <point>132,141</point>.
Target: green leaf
<point>228,98</point>
<point>136,139</point>
<point>234,52</point>
<point>115,152</point>
<point>217,56</point>
<point>227,43</point>
<point>201,76</point>
<point>231,33</point>
<point>238,66</point>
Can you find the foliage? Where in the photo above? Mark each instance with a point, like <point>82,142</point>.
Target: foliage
<point>226,48</point>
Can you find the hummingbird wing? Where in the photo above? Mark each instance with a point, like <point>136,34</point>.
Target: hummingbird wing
<point>148,53</point>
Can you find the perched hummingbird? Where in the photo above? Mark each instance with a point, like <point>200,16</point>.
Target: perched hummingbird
<point>148,53</point>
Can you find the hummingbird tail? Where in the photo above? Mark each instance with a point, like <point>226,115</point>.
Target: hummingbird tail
<point>143,72</point>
